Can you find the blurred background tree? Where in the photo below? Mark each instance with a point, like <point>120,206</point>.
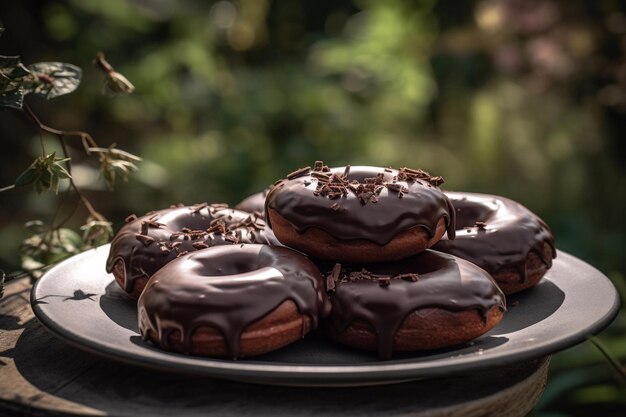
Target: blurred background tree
<point>523,98</point>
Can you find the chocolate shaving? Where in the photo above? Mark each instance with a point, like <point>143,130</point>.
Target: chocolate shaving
<point>219,206</point>
<point>436,181</point>
<point>146,240</point>
<point>197,208</point>
<point>299,173</point>
<point>199,245</point>
<point>320,176</point>
<point>408,277</point>
<point>341,275</point>
<point>333,277</point>
<point>130,218</point>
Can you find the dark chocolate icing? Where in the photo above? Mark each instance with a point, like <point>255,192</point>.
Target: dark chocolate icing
<point>495,233</point>
<point>366,203</point>
<point>228,288</point>
<point>147,243</point>
<point>254,203</point>
<point>384,294</point>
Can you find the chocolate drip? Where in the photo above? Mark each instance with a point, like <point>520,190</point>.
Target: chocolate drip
<point>361,202</point>
<point>147,243</point>
<point>383,295</point>
<point>496,233</point>
<point>228,288</point>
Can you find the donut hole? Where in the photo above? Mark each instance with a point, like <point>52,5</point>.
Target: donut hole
<point>197,220</point>
<point>228,262</point>
<point>469,212</point>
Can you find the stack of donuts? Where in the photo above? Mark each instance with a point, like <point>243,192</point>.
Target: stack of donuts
<point>348,249</point>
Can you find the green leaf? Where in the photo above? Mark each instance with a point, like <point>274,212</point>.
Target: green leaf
<point>54,79</point>
<point>12,67</point>
<point>13,79</point>
<point>59,170</point>
<point>44,173</point>
<point>27,177</point>
<point>12,98</point>
<point>43,182</point>
<point>35,226</point>
<point>47,245</point>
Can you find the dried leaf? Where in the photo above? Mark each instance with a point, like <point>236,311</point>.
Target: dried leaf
<point>116,84</point>
<point>96,232</point>
<point>115,161</point>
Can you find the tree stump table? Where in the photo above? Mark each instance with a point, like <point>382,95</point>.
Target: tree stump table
<point>43,376</point>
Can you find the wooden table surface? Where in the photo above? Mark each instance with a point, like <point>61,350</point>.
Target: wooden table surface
<point>43,376</point>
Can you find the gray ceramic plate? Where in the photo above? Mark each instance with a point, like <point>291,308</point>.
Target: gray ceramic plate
<point>81,304</point>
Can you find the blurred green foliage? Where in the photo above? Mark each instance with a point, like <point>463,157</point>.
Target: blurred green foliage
<point>523,98</point>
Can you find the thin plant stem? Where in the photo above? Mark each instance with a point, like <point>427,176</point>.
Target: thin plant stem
<point>611,359</point>
<point>61,135</point>
<point>85,137</point>
<point>8,187</point>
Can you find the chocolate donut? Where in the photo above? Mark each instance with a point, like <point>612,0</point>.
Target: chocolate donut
<point>359,214</point>
<point>428,301</point>
<point>145,244</point>
<point>232,301</point>
<point>254,203</point>
<point>501,236</point>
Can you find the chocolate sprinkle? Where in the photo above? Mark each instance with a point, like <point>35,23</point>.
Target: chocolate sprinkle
<point>383,295</point>
<point>301,201</point>
<point>178,231</point>
<point>299,173</point>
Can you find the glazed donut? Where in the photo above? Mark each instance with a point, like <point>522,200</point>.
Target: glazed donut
<point>254,203</point>
<point>359,214</point>
<point>232,301</point>
<point>145,244</point>
<point>501,236</point>
<point>428,301</point>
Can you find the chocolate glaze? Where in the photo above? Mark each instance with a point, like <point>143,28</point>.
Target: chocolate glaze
<point>228,288</point>
<point>147,243</point>
<point>415,202</point>
<point>386,298</point>
<point>495,233</point>
<point>254,203</point>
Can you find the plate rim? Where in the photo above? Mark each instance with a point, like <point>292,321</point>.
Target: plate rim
<point>314,374</point>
